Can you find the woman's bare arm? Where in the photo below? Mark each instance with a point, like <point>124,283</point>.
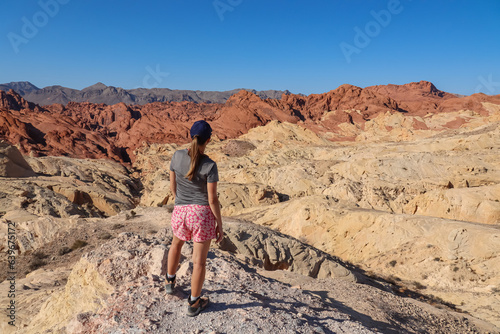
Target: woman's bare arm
<point>173,183</point>
<point>213,200</point>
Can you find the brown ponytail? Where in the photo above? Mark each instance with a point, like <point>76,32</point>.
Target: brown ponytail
<point>196,155</point>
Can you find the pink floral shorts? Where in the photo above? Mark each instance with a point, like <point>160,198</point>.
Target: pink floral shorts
<point>193,221</point>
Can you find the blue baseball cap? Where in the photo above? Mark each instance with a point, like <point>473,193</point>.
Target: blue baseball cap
<point>202,129</point>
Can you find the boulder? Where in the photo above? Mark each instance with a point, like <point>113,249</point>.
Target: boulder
<point>12,163</point>
<point>271,250</point>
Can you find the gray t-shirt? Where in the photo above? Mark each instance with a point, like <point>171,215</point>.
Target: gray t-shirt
<point>195,191</point>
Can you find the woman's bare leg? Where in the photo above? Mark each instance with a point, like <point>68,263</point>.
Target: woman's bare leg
<point>200,252</point>
<point>174,255</point>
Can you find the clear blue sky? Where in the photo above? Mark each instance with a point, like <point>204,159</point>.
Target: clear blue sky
<point>272,44</point>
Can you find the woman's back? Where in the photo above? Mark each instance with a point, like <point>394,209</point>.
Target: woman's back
<point>195,191</point>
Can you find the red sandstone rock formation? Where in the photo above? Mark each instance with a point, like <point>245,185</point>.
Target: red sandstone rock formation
<point>12,100</point>
<point>244,111</point>
<point>89,130</point>
<point>43,132</point>
<point>421,98</point>
<point>345,97</point>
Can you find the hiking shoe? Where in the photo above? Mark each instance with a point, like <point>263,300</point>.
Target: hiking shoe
<point>170,285</point>
<point>201,304</point>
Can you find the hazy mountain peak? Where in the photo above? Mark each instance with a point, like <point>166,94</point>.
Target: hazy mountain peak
<point>22,87</point>
<point>101,93</point>
<point>96,86</point>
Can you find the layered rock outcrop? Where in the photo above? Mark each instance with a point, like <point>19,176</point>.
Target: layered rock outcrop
<point>89,130</point>
<point>273,251</point>
<point>62,187</point>
<point>13,101</point>
<point>118,286</point>
<point>12,163</point>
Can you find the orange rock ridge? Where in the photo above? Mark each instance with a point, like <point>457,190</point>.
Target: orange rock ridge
<point>89,130</point>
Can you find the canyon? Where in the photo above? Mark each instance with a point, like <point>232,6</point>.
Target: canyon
<point>388,192</point>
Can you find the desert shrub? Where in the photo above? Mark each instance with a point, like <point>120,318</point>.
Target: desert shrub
<point>393,279</point>
<point>64,250</point>
<point>455,269</point>
<point>36,263</point>
<point>418,285</point>
<point>133,213</point>
<point>437,299</point>
<point>39,255</point>
<point>78,244</point>
<point>437,259</point>
<point>393,263</point>
<point>403,290</point>
<point>104,236</point>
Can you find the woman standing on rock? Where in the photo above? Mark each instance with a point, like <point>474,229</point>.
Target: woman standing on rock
<point>196,214</point>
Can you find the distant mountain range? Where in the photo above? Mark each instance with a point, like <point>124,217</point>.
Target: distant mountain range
<point>100,93</point>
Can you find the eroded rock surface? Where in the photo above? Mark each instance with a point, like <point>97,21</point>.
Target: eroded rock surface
<point>118,286</point>
<point>404,188</point>
<point>12,163</point>
<point>273,250</point>
<point>392,205</point>
<point>64,187</point>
